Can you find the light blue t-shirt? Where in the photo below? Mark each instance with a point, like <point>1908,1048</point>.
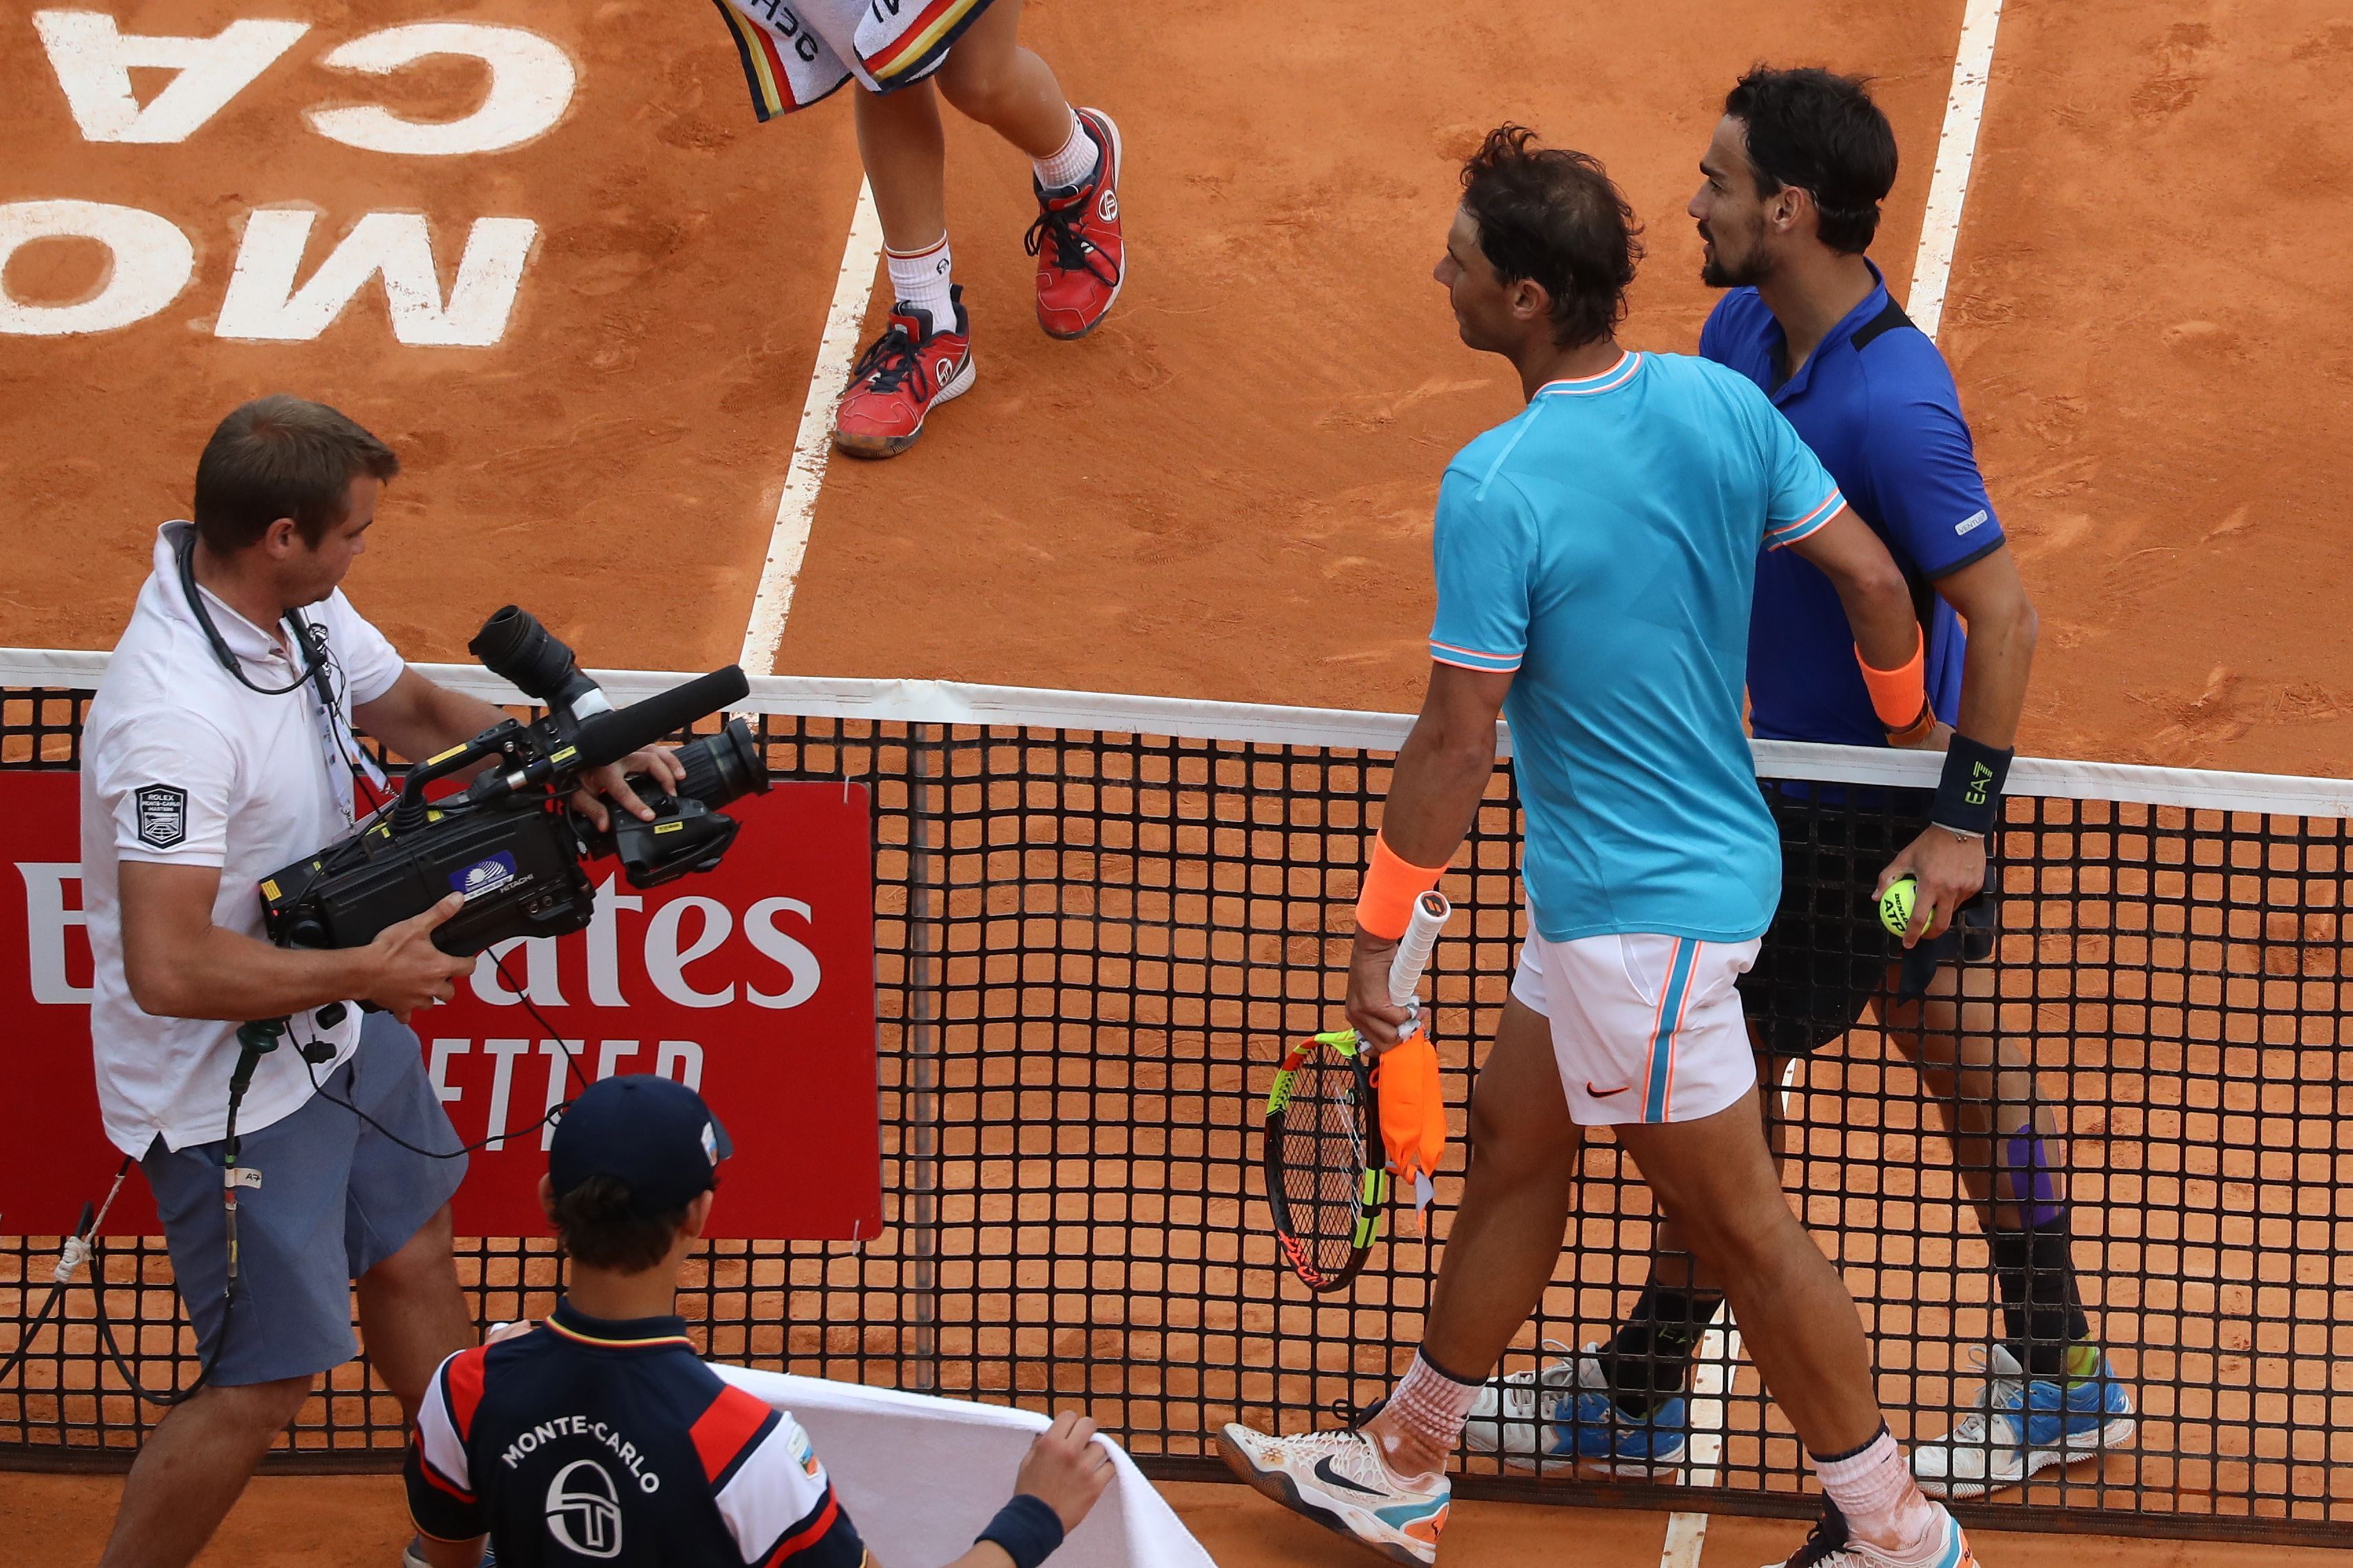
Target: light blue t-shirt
<point>1604,544</point>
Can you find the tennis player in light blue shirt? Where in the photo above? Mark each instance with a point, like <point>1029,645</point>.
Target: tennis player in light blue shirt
<point>1602,548</point>
<point>1596,560</point>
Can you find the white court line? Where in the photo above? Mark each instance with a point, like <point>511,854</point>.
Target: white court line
<point>1710,1380</point>
<point>1957,149</point>
<point>789,540</point>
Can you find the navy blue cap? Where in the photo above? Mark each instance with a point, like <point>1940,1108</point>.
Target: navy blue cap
<point>652,1134</point>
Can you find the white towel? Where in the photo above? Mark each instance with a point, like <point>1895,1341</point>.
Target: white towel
<point>921,1475</point>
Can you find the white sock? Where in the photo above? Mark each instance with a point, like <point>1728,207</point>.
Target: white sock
<point>1874,1488</point>
<point>1073,163</point>
<point>922,280</point>
<point>1432,1406</point>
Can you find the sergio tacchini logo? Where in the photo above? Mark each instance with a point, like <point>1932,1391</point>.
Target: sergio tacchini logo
<point>584,1512</point>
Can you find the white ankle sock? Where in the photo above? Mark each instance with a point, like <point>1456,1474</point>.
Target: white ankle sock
<point>1874,1488</point>
<point>1074,162</point>
<point>1432,1406</point>
<point>922,280</point>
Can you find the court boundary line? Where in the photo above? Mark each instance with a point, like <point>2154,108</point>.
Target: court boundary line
<point>788,535</point>
<point>1956,151</point>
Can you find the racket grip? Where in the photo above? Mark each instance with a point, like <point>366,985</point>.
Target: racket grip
<point>1430,913</point>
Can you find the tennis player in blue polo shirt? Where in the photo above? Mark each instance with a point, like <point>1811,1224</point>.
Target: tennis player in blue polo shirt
<point>1596,564</point>
<point>1794,178</point>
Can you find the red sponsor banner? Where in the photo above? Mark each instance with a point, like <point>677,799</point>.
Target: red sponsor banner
<point>753,983</point>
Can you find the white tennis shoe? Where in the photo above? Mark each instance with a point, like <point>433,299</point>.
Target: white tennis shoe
<point>1511,1412</point>
<point>1338,1480</point>
<point>1831,1546</point>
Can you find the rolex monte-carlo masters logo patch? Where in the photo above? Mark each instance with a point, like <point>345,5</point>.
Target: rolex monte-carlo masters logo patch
<point>163,815</point>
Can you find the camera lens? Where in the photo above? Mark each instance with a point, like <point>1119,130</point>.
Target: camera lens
<point>723,767</point>
<point>514,646</point>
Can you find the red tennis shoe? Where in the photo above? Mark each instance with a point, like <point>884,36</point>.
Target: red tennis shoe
<point>1082,259</point>
<point>909,370</point>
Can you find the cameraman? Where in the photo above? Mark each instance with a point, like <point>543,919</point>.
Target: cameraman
<point>218,749</point>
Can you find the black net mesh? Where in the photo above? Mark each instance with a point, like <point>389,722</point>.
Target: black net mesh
<point>1093,947</point>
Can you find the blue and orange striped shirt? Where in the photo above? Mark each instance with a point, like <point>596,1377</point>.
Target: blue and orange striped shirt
<point>1602,547</point>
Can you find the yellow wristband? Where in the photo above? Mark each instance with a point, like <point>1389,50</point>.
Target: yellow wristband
<point>1385,903</point>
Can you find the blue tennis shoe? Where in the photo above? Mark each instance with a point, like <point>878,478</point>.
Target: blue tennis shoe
<point>1563,1416</point>
<point>2015,1425</point>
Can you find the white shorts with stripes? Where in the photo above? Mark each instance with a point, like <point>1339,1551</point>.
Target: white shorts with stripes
<point>1645,1028</point>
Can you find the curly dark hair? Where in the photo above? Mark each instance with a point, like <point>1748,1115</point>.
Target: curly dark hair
<point>1550,216</point>
<point>596,1226</point>
<point>1821,133</point>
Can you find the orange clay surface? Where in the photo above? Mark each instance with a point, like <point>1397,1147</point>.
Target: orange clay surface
<point>1225,491</point>
<point>359,1522</point>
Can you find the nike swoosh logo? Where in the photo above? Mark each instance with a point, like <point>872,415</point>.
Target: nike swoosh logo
<point>1331,1477</point>
<point>1605,1093</point>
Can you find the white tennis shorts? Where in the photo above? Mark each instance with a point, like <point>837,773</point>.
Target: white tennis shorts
<point>1645,1028</point>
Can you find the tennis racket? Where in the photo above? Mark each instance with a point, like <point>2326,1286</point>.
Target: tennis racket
<point>1327,1182</point>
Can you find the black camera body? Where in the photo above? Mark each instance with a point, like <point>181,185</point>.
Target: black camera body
<point>521,873</point>
<point>510,841</point>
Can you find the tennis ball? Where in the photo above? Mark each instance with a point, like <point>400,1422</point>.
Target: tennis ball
<point>1896,905</point>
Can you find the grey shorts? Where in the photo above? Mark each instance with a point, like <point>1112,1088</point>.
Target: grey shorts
<point>336,1198</point>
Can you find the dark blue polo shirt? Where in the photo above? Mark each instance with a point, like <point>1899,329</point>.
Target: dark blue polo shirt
<point>1877,406</point>
<point>593,1442</point>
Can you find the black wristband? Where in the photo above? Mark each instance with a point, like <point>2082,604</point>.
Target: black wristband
<point>1969,796</point>
<point>1027,1529</point>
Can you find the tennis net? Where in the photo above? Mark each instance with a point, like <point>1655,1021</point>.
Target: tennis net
<point>1099,917</point>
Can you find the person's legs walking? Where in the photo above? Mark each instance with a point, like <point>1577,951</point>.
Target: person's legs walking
<point>1385,1485</point>
<point>2049,1395</point>
<point>1816,971</point>
<point>904,150</point>
<point>1075,158</point>
<point>290,1321</point>
<point>412,1315</point>
<point>1506,1237</point>
<point>991,78</point>
<point>396,1226</point>
<point>192,1468</point>
<point>924,355</point>
<point>1617,1406</point>
<point>1716,1177</point>
<point>1647,1362</point>
<point>2010,1160</point>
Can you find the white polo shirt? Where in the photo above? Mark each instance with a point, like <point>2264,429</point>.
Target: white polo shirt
<point>182,765</point>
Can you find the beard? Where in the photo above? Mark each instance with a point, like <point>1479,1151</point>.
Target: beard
<point>1746,273</point>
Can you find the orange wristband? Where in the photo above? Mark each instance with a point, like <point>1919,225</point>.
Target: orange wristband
<point>1385,902</point>
<point>1898,695</point>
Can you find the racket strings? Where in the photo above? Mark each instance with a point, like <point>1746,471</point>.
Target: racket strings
<point>1324,1159</point>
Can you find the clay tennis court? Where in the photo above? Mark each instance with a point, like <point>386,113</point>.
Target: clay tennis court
<point>1224,493</point>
